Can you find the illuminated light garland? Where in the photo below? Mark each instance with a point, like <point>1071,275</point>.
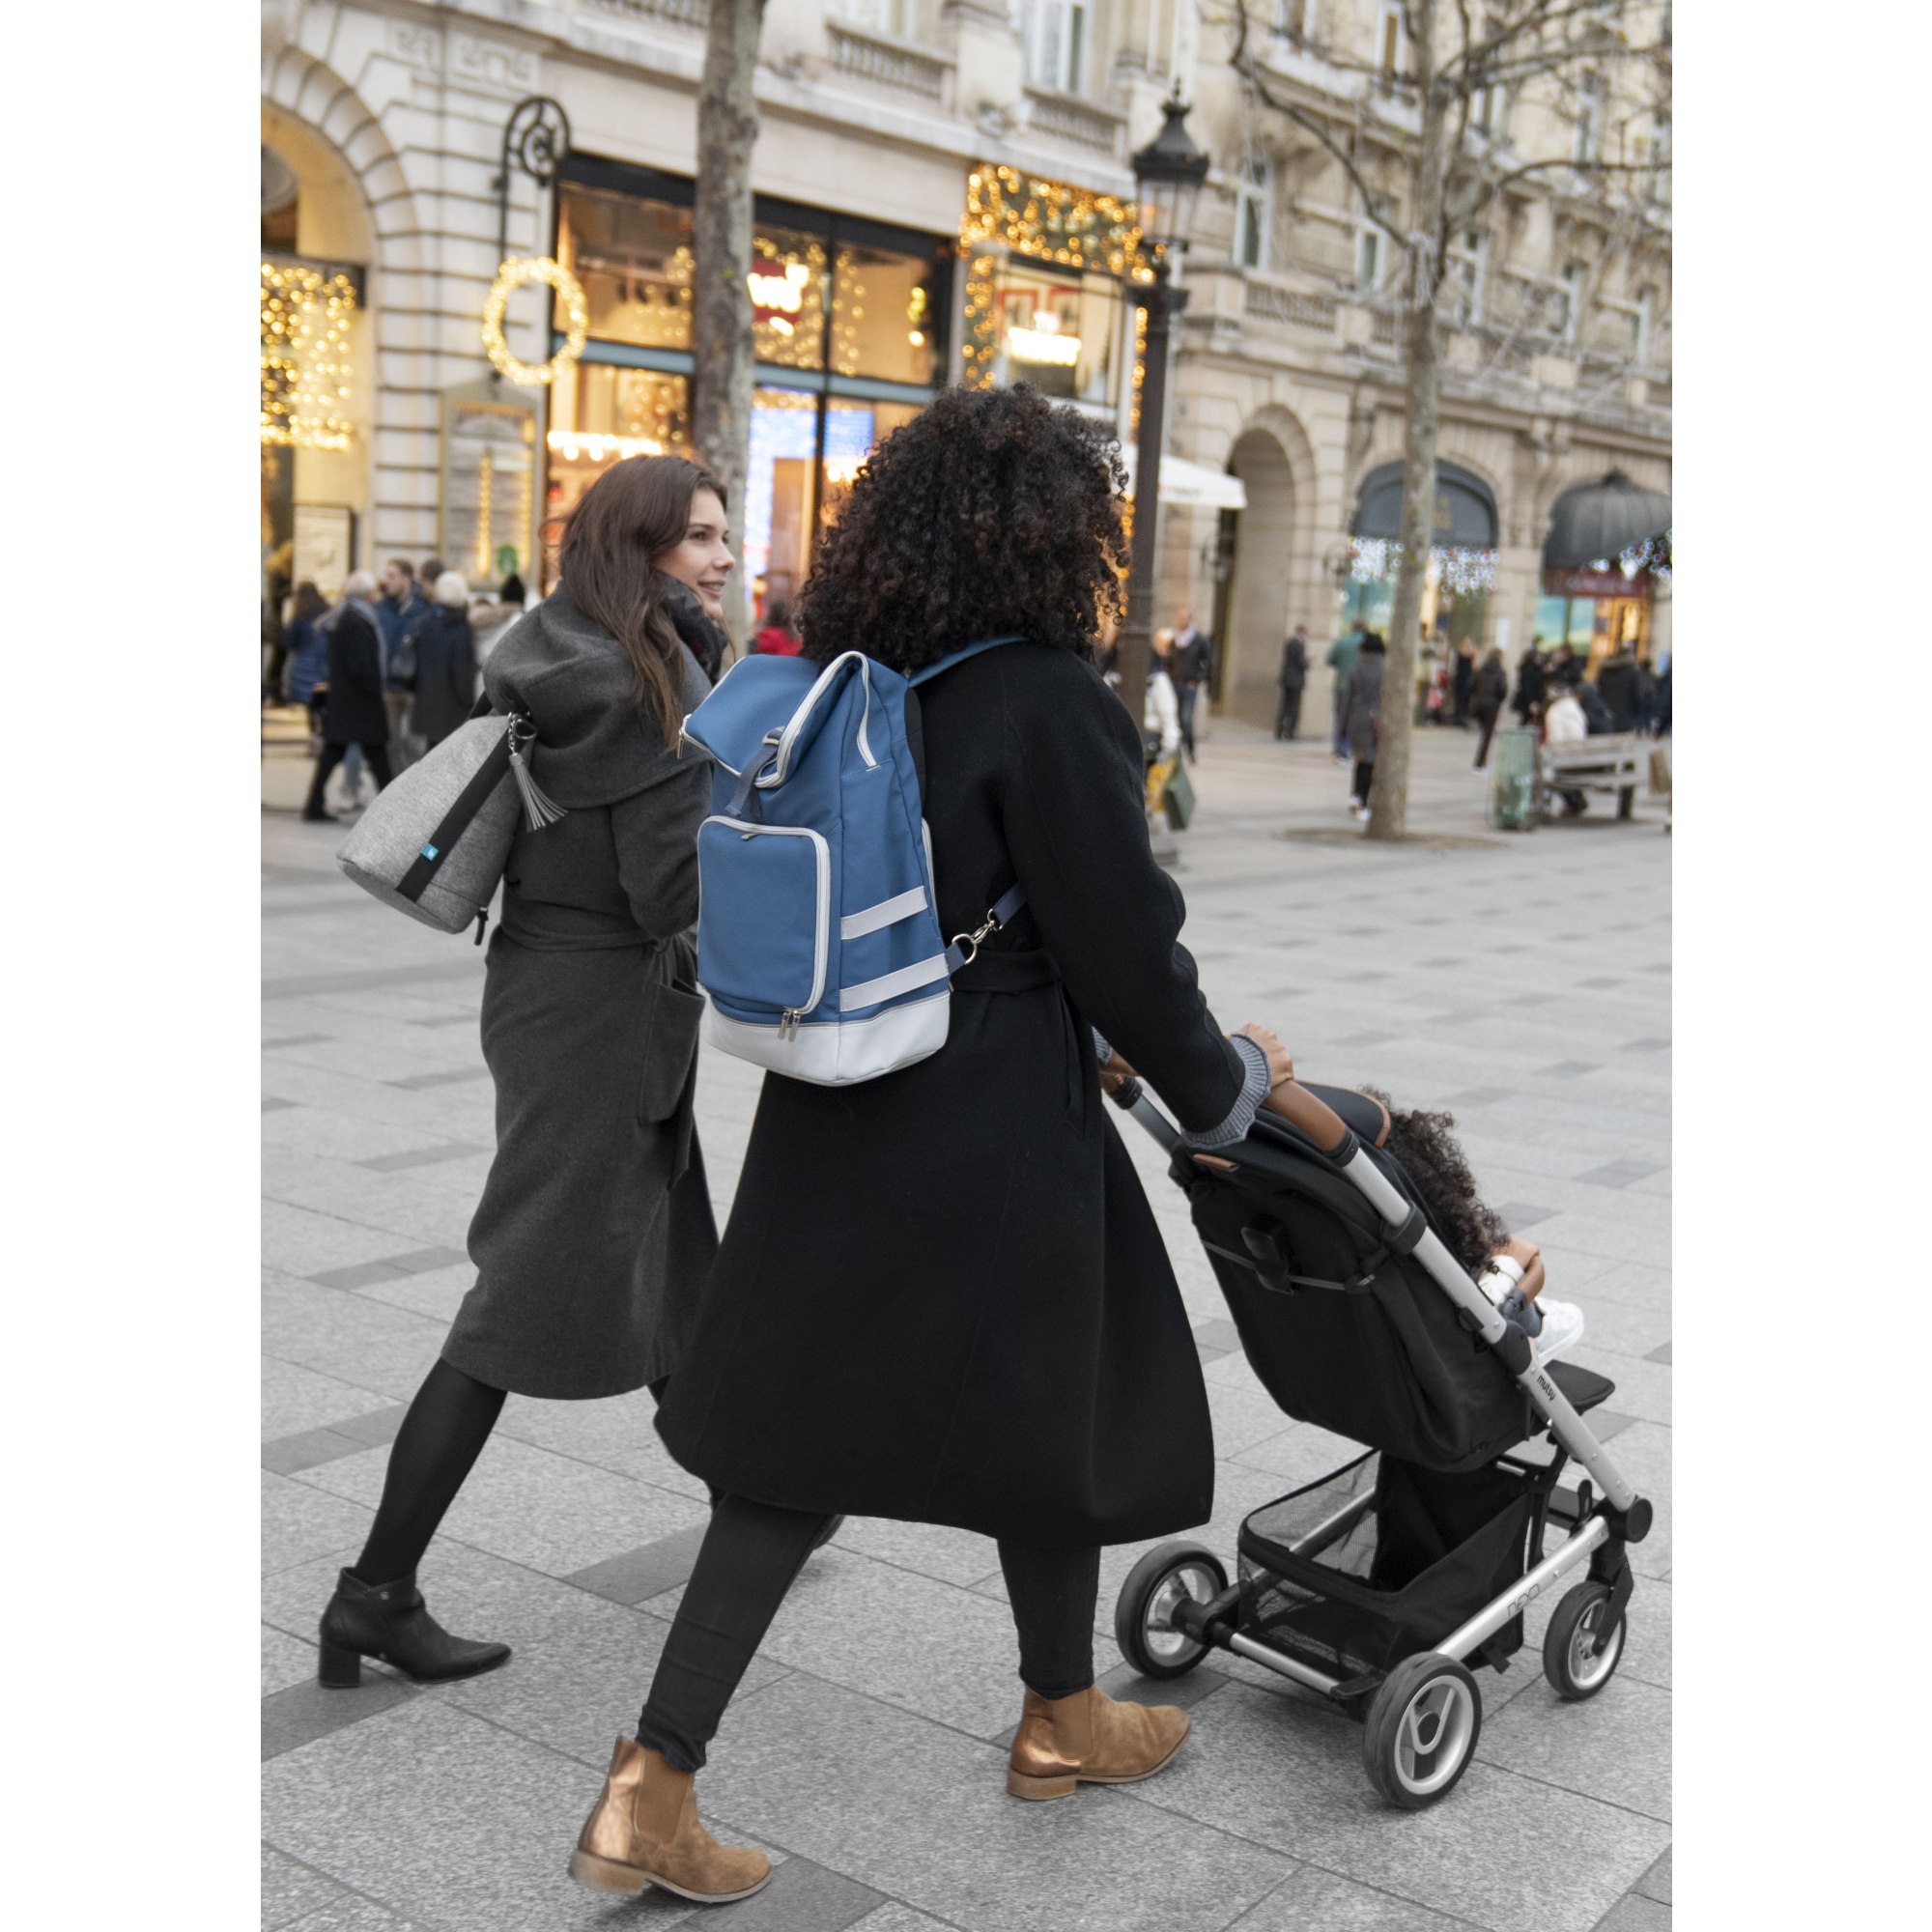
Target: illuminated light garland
<point>1652,554</point>
<point>305,366</point>
<point>1459,571</point>
<point>977,356</point>
<point>1072,226</point>
<point>511,275</point>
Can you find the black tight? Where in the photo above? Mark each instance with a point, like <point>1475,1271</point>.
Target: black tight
<point>437,1446</point>
<point>749,1557</point>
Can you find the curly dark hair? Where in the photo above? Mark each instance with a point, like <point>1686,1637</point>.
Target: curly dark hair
<point>1429,1153</point>
<point>991,511</point>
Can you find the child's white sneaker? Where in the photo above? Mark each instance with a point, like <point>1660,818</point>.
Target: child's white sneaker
<point>1562,1327</point>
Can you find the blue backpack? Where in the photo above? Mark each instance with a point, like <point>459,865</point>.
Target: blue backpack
<point>818,943</point>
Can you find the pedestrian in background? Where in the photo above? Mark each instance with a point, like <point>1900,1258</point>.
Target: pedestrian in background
<point>1532,685</point>
<point>444,686</point>
<point>1620,684</point>
<point>1341,662</point>
<point>1294,676</point>
<point>1365,718</point>
<point>404,608</point>
<point>306,648</point>
<point>1563,722</point>
<point>353,713</point>
<point>511,593</point>
<point>1463,683</point>
<point>1160,720</point>
<point>594,1235</point>
<point>1190,665</point>
<point>775,638</point>
<point>1488,688</point>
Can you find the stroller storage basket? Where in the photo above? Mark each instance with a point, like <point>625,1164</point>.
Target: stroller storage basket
<point>1382,1559</point>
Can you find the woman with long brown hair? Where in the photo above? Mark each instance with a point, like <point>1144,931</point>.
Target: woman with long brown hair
<point>594,1235</point>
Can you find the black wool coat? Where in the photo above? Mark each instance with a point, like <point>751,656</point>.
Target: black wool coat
<point>353,713</point>
<point>942,1295</point>
<point>445,678</point>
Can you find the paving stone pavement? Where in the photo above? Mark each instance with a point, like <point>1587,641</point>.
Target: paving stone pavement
<point>1521,980</point>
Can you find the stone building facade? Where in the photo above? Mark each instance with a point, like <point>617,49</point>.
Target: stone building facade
<point>879,121</point>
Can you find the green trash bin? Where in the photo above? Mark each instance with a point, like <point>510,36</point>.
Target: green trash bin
<point>1513,796</point>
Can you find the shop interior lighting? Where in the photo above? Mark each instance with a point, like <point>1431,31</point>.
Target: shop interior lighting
<point>1042,345</point>
<point>573,445</point>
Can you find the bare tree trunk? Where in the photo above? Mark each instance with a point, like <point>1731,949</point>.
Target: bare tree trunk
<point>1388,802</point>
<point>728,126</point>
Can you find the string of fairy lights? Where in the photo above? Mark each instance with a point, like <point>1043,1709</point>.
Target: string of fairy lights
<point>1459,570</point>
<point>306,314</point>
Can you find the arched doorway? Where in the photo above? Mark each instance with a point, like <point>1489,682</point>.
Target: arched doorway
<point>1254,560</point>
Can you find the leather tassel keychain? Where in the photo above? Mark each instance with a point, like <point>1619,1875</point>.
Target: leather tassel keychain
<point>539,809</point>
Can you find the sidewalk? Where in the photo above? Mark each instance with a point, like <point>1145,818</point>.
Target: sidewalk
<point>1522,981</point>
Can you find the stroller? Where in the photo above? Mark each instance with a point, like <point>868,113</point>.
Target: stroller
<point>1380,1584</point>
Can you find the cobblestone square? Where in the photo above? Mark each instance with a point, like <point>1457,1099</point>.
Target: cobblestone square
<point>1521,980</point>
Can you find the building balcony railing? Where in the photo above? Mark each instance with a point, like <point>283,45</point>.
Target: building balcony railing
<point>890,63</point>
<point>1072,119</point>
<point>679,12</point>
<point>1269,301</point>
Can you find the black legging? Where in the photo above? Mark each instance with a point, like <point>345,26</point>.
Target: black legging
<point>750,1554</point>
<point>1487,721</point>
<point>1365,777</point>
<point>378,756</point>
<point>434,1450</point>
<point>1288,714</point>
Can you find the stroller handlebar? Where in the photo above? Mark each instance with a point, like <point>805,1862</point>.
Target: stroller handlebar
<point>1309,1114</point>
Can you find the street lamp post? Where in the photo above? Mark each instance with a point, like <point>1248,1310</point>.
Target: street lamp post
<point>1169,171</point>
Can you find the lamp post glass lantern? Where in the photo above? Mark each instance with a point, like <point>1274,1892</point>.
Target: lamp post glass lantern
<point>1169,171</point>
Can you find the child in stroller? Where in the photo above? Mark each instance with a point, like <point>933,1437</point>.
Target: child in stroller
<point>1359,1266</point>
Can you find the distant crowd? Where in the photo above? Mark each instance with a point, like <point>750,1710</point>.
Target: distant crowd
<point>386,671</point>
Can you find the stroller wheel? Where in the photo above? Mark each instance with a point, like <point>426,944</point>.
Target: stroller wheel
<point>1155,1586</point>
<point>1579,1655</point>
<point>1422,1731</point>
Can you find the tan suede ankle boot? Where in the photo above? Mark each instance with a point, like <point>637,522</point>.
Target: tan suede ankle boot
<point>1088,1737</point>
<point>644,1831</point>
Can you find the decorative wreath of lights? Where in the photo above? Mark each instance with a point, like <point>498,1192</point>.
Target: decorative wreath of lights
<point>511,276</point>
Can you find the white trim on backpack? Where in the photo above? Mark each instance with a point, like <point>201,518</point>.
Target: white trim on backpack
<point>781,764</point>
<point>887,912</point>
<point>889,985</point>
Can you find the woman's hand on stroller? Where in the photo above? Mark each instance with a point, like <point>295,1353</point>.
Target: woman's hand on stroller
<point>1281,1062</point>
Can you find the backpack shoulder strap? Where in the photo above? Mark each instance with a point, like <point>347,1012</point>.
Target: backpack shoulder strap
<point>961,656</point>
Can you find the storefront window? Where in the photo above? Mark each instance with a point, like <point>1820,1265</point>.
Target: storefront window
<point>885,313</point>
<point>778,490</point>
<point>787,283</point>
<point>1058,330</point>
<point>634,260</point>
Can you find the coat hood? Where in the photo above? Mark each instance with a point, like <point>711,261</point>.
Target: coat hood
<point>573,679</point>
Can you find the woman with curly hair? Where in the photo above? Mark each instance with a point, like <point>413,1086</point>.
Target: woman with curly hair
<point>942,1296</point>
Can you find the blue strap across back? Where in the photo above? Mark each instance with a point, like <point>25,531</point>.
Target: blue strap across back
<point>961,656</point>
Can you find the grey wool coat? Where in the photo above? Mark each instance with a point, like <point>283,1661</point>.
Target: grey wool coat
<point>594,1237</point>
<point>1365,705</point>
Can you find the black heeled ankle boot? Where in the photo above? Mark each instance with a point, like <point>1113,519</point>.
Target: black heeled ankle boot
<point>390,1621</point>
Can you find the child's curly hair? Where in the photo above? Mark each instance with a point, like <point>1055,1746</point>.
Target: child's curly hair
<point>1429,1154</point>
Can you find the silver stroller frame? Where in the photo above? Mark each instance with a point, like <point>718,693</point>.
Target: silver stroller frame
<point>1618,1513</point>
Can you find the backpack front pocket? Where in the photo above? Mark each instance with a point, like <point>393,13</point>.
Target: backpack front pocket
<point>762,943</point>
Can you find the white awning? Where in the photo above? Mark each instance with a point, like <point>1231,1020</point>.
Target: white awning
<point>1192,484</point>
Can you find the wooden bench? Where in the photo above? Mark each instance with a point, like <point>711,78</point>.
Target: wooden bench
<point>1614,761</point>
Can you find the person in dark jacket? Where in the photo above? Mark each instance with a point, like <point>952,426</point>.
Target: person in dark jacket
<point>942,1296</point>
<point>1463,683</point>
<point>353,713</point>
<point>1595,713</point>
<point>1190,665</point>
<point>1487,691</point>
<point>1532,685</point>
<point>305,650</point>
<point>1363,711</point>
<point>1620,684</point>
<point>1292,679</point>
<point>594,1235</point>
<point>445,678</point>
